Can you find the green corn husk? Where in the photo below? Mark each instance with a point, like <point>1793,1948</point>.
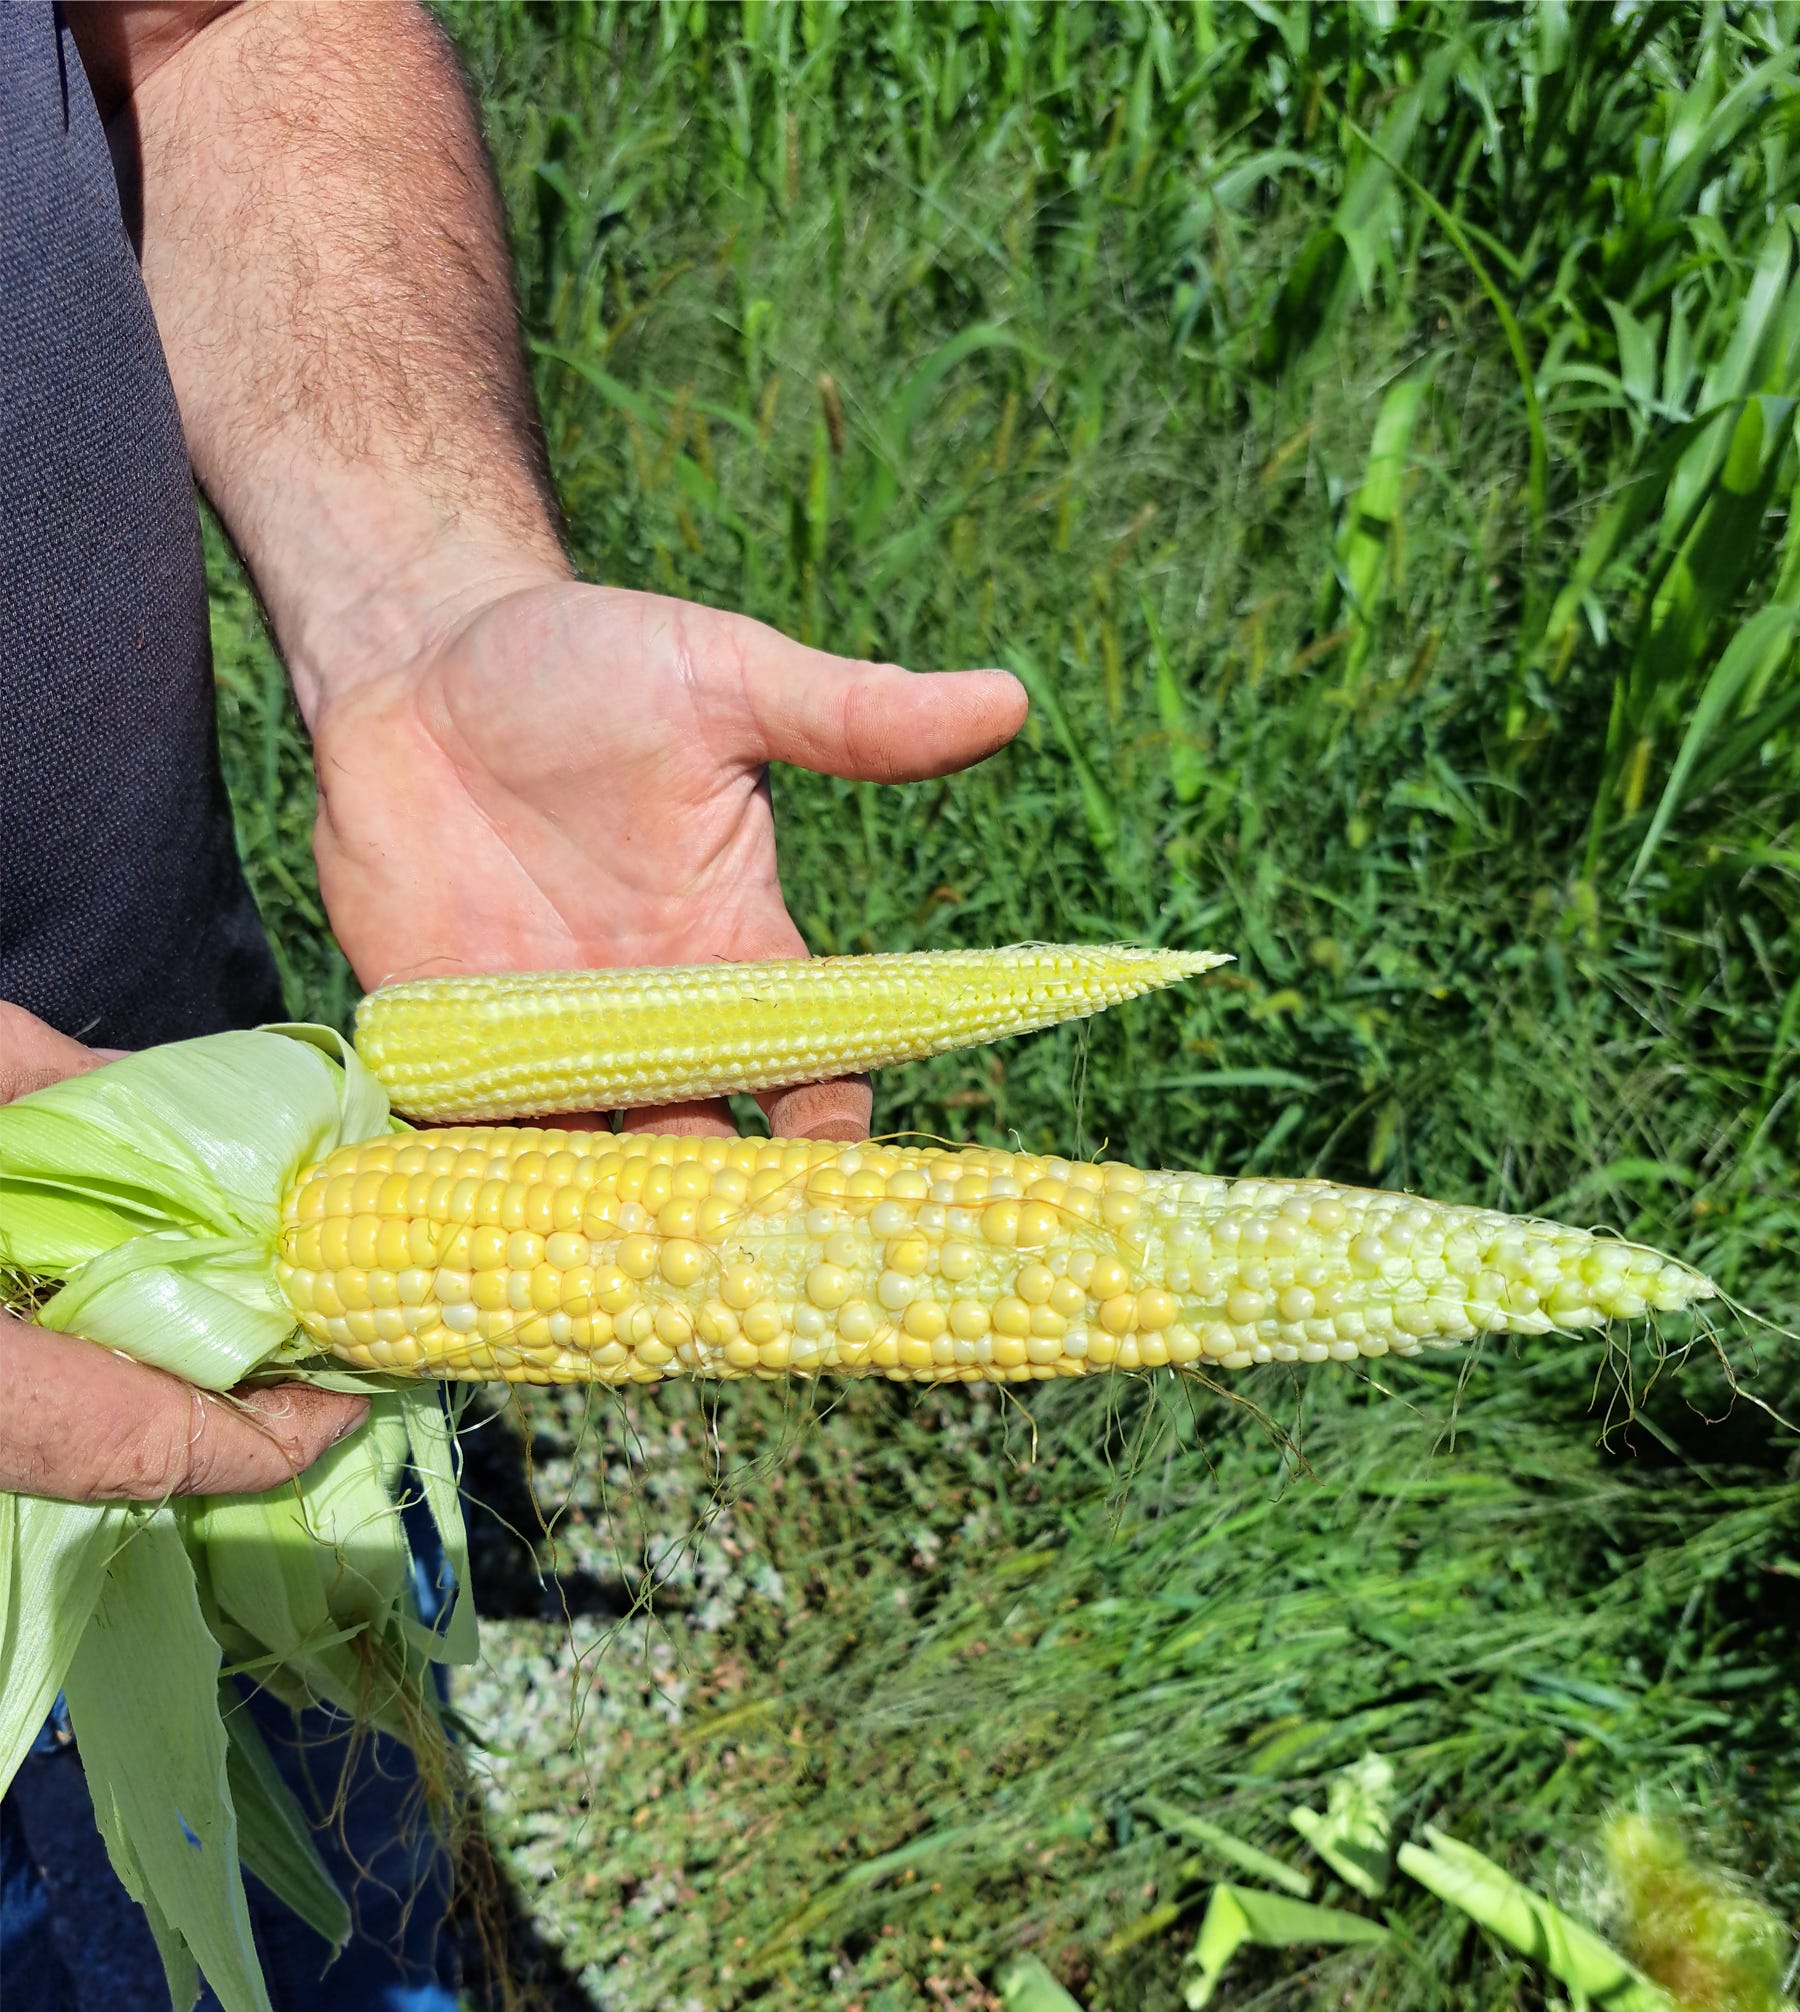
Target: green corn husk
<point>151,1189</point>
<point>1573,1954</point>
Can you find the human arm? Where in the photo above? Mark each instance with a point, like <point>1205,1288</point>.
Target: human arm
<point>515,771</point>
<point>84,1424</point>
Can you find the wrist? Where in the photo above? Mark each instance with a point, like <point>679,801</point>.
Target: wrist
<point>377,606</point>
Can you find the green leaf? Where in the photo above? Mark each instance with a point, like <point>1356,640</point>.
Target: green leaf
<point>273,1835</point>
<point>143,1700</point>
<point>1367,545</point>
<point>1241,1915</point>
<point>154,1185</point>
<point>51,1554</point>
<point>1637,357</point>
<point>1536,479</point>
<point>205,1309</point>
<point>199,1136</point>
<point>1026,1986</point>
<point>1355,1835</point>
<point>1187,771</point>
<point>1221,1844</point>
<point>1715,556</point>
<point>305,1571</point>
<point>1767,637</point>
<point>48,1229</point>
<point>1573,1954</point>
<point>908,405</point>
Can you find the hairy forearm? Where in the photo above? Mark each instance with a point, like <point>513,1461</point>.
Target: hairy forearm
<point>328,267</point>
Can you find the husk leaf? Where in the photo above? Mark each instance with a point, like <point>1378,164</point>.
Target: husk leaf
<point>143,1700</point>
<point>151,1188</point>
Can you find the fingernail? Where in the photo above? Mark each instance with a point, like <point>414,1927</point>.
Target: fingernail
<point>844,1131</point>
<point>350,1424</point>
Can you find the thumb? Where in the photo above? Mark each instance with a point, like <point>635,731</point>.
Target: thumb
<point>872,722</point>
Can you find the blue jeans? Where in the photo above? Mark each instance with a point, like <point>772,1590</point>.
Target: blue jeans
<point>384,1859</point>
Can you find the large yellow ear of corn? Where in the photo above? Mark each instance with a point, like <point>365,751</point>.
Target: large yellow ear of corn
<point>516,1044</point>
<point>547,1256</point>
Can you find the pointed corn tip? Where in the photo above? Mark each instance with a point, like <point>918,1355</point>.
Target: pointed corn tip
<point>1194,963</point>
<point>1150,966</point>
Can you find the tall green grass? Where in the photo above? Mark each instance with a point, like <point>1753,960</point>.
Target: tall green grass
<point>1369,431</point>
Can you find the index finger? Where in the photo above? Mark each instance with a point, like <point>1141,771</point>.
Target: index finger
<point>840,1109</point>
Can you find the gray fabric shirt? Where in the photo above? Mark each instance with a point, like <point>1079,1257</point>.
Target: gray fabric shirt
<point>124,918</point>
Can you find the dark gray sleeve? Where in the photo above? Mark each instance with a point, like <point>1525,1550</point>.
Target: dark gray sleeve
<point>124,917</point>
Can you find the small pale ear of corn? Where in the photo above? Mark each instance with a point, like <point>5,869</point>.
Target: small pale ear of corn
<point>516,1044</point>
<point>550,1257</point>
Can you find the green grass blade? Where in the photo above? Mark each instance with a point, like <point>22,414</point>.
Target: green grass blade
<point>1537,479</point>
<point>1096,802</point>
<point>1221,1844</point>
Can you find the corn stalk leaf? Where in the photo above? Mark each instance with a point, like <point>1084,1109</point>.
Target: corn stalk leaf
<point>1366,558</point>
<point>1765,639</point>
<point>1715,557</point>
<point>143,1699</point>
<point>1538,459</point>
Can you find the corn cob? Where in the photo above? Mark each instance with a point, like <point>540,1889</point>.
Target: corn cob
<point>549,1256</point>
<point>518,1044</point>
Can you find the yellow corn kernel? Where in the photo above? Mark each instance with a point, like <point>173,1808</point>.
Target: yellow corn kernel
<point>970,1319</point>
<point>638,1256</point>
<point>828,1286</point>
<point>833,1259</point>
<point>1011,1316</point>
<point>924,1320</point>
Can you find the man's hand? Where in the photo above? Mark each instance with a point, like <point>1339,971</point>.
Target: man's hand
<point>83,1424</point>
<point>516,771</point>
<point>577,776</point>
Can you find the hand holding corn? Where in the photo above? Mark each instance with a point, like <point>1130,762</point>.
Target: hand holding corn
<point>86,1424</point>
<point>576,776</point>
